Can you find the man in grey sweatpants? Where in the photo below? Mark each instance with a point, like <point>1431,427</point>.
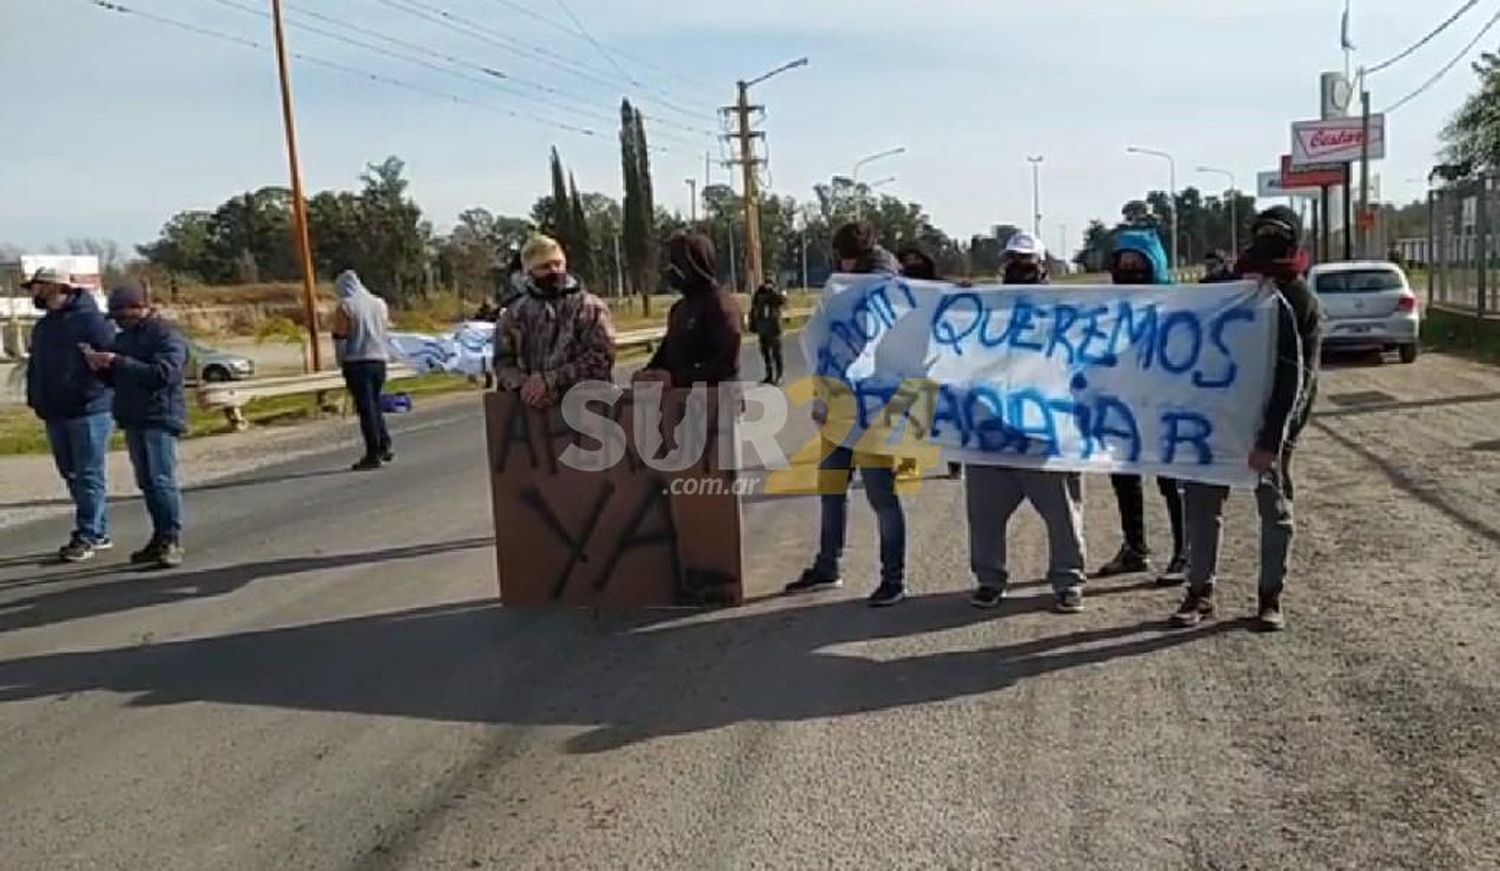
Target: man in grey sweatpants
<point>993,493</point>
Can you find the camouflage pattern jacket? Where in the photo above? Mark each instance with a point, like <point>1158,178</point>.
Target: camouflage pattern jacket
<point>564,336</point>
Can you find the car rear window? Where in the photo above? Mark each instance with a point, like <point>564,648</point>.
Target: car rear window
<point>1361,281</point>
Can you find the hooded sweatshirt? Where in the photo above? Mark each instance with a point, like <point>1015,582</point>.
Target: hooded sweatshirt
<point>361,323</point>
<point>59,384</point>
<point>1148,244</point>
<point>702,344</point>
<point>563,334</point>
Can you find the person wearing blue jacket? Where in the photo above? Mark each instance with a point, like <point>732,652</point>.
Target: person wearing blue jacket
<point>146,365</point>
<point>1139,259</point>
<point>73,402</point>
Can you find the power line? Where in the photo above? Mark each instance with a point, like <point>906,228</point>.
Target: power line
<point>358,73</point>
<point>1426,39</point>
<point>568,10</point>
<point>1495,19</point>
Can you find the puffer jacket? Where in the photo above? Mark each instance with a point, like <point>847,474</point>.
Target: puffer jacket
<point>150,359</point>
<point>59,384</point>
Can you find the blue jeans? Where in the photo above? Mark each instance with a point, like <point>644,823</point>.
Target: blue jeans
<point>79,447</point>
<point>366,380</point>
<point>880,488</point>
<point>153,453</point>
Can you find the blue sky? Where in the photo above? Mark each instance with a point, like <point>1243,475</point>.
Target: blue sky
<point>112,122</point>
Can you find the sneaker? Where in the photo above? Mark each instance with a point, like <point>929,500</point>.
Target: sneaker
<point>170,555</point>
<point>388,456</point>
<point>1128,561</point>
<point>105,543</point>
<point>1197,606</point>
<point>988,598</point>
<point>812,582</point>
<point>76,551</point>
<point>148,554</point>
<point>1270,618</point>
<point>1068,602</point>
<point>887,594</point>
<point>1176,573</point>
<point>367,464</point>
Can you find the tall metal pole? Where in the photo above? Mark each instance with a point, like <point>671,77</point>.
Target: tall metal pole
<point>619,269</point>
<point>1364,166</point>
<point>692,184</point>
<point>1172,182</point>
<point>1233,197</point>
<point>1348,211</point>
<point>752,196</point>
<point>299,204</point>
<point>1036,197</point>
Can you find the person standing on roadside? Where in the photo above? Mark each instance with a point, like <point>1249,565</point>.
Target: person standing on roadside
<point>993,493</point>
<point>765,320</point>
<point>555,335</point>
<point>73,403</point>
<point>857,250</point>
<point>915,264</point>
<point>361,338</point>
<point>1139,259</point>
<point>702,344</point>
<point>145,366</point>
<point>1273,256</point>
<point>1217,268</point>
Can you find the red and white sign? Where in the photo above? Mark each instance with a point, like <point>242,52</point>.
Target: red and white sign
<point>1314,177</point>
<point>1337,140</point>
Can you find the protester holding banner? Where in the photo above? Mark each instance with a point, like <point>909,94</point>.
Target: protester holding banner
<point>1139,259</point>
<point>765,321</point>
<point>916,264</point>
<point>702,344</point>
<point>1273,255</point>
<point>361,341</point>
<point>857,250</point>
<point>994,492</point>
<point>555,335</point>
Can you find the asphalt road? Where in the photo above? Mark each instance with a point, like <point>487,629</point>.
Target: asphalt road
<point>330,683</point>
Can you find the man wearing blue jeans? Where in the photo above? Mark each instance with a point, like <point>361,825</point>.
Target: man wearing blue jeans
<point>73,402</point>
<point>146,368</point>
<point>858,252</point>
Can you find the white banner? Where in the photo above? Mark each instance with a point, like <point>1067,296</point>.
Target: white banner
<point>1162,380</point>
<point>468,349</point>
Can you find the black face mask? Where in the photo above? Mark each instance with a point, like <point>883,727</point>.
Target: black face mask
<point>1131,276</point>
<point>1023,273</point>
<point>1270,248</point>
<point>676,279</point>
<point>39,301</point>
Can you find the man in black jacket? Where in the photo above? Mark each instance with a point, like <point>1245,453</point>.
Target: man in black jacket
<point>72,402</point>
<point>1273,257</point>
<point>145,366</point>
<point>765,321</point>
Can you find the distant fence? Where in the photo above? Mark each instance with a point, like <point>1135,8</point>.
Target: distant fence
<point>1461,252</point>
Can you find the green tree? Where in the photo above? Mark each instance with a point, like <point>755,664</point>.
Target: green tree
<point>639,241</point>
<point>396,237</point>
<point>1471,140</point>
<point>581,250</point>
<point>182,245</point>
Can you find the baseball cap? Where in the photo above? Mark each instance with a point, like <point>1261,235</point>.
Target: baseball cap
<point>48,275</point>
<point>1025,244</point>
<point>127,296</point>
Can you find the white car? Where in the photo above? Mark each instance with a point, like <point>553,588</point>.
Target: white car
<point>1367,304</point>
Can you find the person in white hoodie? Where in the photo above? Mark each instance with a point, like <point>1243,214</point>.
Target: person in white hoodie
<point>361,328</point>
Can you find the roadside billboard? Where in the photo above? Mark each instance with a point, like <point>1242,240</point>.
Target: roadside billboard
<point>1314,176</point>
<point>1268,186</point>
<point>1336,140</point>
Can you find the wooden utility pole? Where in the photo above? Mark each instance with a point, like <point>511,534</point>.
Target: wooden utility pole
<point>299,204</point>
<point>748,163</point>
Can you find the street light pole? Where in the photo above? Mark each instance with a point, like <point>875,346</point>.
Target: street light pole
<point>692,184</point>
<point>859,206</point>
<point>1234,196</point>
<point>748,161</point>
<point>1172,182</point>
<point>1036,196</point>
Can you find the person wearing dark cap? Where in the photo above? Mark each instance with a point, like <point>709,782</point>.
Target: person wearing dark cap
<point>702,344</point>
<point>857,251</point>
<point>73,402</point>
<point>915,264</point>
<point>765,321</point>
<point>1273,256</point>
<point>145,365</point>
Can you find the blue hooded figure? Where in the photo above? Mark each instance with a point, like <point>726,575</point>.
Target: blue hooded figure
<point>1150,267</point>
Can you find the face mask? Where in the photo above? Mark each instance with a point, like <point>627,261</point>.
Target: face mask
<point>1266,249</point>
<point>1131,276</point>
<point>1023,273</point>
<point>552,281</point>
<point>675,277</point>
<point>39,301</point>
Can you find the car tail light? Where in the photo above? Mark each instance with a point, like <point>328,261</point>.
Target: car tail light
<point>1407,304</point>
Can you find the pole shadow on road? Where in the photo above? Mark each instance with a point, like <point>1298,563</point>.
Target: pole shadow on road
<point>126,590</point>
<point>231,484</point>
<point>625,679</point>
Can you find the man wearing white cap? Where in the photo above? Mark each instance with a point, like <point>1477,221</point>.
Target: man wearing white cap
<point>993,493</point>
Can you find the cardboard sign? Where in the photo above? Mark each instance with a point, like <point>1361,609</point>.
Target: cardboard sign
<point>626,537</point>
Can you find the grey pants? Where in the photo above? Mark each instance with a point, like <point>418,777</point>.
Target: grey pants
<point>1205,528</point>
<point>995,492</point>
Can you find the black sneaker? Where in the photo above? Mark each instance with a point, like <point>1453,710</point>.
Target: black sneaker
<point>988,598</point>
<point>887,594</point>
<point>170,555</point>
<point>1068,602</point>
<point>1128,561</point>
<point>388,456</point>
<point>1197,606</point>
<point>1176,573</point>
<point>76,551</point>
<point>105,543</point>
<point>1270,617</point>
<point>812,582</point>
<point>367,464</point>
<point>148,554</point>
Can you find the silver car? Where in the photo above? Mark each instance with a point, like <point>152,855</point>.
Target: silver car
<point>209,365</point>
<point>1367,305</point>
